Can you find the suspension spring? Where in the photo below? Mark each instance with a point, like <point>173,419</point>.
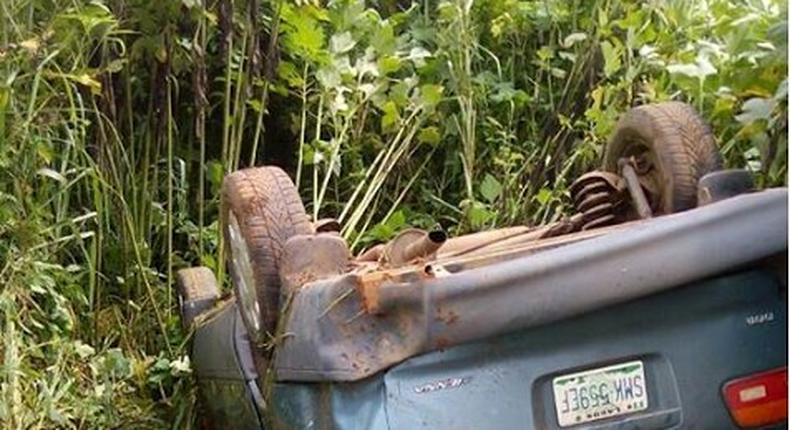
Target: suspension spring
<point>598,196</point>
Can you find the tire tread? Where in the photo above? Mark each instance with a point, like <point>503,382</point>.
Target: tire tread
<point>682,141</point>
<point>269,211</point>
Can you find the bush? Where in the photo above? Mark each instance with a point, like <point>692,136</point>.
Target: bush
<point>118,121</point>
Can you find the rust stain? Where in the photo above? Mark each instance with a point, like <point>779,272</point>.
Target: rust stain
<point>448,317</point>
<point>442,343</point>
<point>373,254</point>
<point>368,288</point>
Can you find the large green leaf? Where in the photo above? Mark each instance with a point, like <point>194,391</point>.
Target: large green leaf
<point>341,43</point>
<point>490,188</point>
<point>303,34</point>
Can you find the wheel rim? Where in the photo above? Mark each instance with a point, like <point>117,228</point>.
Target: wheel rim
<point>243,280</point>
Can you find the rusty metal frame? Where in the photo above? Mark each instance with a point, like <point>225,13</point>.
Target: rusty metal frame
<point>638,198</point>
<point>355,325</point>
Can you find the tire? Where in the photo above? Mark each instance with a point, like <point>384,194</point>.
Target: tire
<point>674,148</point>
<point>261,209</point>
<point>197,291</point>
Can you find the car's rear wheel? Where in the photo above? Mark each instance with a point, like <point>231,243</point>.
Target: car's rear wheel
<point>261,210</point>
<point>672,148</point>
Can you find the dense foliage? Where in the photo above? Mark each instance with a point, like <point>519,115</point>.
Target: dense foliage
<point>118,119</point>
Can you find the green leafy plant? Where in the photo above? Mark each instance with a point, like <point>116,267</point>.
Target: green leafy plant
<point>118,121</point>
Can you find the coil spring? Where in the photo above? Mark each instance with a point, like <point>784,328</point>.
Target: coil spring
<point>596,196</point>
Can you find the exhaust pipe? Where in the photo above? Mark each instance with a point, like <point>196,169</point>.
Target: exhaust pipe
<point>408,245</point>
<point>425,246</point>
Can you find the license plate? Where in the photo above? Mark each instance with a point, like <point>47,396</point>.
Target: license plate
<point>600,393</point>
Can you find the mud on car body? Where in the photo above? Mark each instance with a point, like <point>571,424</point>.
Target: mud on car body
<point>660,303</point>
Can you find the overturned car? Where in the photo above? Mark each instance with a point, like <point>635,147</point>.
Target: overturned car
<point>661,303</point>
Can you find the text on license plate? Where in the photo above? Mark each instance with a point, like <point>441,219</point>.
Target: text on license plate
<point>600,393</point>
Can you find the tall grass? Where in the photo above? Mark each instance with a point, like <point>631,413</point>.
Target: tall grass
<point>97,160</point>
<point>119,119</point>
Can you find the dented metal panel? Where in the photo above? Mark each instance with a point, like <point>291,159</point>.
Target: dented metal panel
<point>344,329</point>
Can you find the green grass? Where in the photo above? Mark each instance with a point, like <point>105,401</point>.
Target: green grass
<point>118,120</point>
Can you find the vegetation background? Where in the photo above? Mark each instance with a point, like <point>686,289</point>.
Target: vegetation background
<point>119,118</point>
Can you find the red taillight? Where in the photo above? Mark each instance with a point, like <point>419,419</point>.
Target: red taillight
<point>759,399</point>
